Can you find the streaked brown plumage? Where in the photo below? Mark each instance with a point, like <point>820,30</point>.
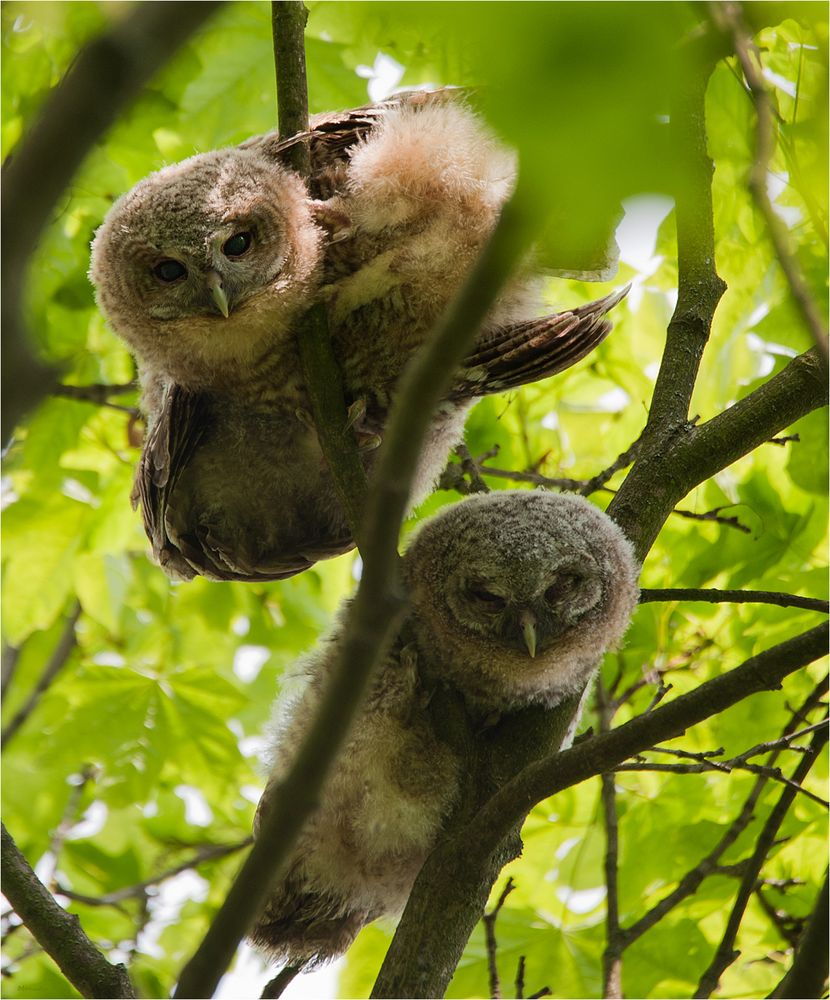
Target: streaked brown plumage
<point>489,580</point>
<point>231,482</point>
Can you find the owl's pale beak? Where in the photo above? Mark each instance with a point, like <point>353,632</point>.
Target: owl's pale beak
<point>527,622</point>
<point>214,283</point>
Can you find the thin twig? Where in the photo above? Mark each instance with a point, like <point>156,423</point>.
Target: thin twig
<point>57,661</point>
<point>770,772</point>
<point>726,954</point>
<point>520,978</point>
<point>489,921</point>
<point>728,18</point>
<point>648,596</point>
<point>68,821</point>
<point>208,852</point>
<point>98,393</point>
<point>715,516</point>
<point>59,933</point>
<point>614,941</point>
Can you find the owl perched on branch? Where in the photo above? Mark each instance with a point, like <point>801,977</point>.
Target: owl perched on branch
<point>514,597</point>
<point>205,269</point>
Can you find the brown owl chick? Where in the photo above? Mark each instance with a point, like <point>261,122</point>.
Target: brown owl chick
<point>204,269</point>
<point>514,598</point>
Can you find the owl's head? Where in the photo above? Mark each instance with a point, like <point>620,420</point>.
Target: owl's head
<point>519,594</point>
<point>204,263</point>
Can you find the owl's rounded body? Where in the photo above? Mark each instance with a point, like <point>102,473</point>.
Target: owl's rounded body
<point>206,267</point>
<point>382,808</point>
<point>514,597</point>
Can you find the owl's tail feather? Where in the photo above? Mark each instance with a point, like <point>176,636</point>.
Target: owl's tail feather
<point>534,349</point>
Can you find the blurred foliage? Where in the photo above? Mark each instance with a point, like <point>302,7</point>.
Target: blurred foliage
<point>162,698</point>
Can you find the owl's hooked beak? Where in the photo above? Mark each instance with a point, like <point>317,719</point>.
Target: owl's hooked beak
<point>214,283</point>
<point>527,622</point>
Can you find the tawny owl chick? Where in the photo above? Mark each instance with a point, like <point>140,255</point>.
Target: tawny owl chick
<point>514,598</point>
<point>204,269</point>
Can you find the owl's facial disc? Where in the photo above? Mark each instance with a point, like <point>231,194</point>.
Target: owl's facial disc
<point>530,617</point>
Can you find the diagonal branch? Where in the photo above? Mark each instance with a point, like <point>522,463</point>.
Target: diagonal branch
<point>762,672</point>
<point>472,853</point>
<point>726,954</point>
<point>728,17</point>
<point>808,975</point>
<point>59,933</point>
<point>106,77</point>
<point>57,661</point>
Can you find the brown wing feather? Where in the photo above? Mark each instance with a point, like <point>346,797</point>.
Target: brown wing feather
<point>184,549</point>
<point>534,349</point>
<point>167,450</point>
<point>330,136</point>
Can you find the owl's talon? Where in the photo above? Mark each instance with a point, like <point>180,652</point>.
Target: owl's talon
<point>355,413</point>
<point>368,442</point>
<point>305,418</point>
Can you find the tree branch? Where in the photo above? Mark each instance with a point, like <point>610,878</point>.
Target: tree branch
<point>321,372</point>
<point>662,477</point>
<point>208,852</point>
<point>708,865</point>
<point>59,933</point>
<point>728,18</point>
<point>489,921</point>
<point>808,974</point>
<point>472,852</point>
<point>649,596</point>
<point>614,941</point>
<point>57,661</point>
<point>726,954</point>
<point>106,77</point>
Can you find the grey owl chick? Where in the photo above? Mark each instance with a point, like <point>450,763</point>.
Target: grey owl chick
<point>204,269</point>
<point>514,597</point>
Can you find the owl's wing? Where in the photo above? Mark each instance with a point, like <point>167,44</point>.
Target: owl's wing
<point>181,545</point>
<point>330,136</point>
<point>173,438</point>
<point>534,349</point>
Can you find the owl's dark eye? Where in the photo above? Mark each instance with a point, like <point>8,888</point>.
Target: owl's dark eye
<point>238,244</point>
<point>169,270</point>
<point>494,602</point>
<point>564,584</point>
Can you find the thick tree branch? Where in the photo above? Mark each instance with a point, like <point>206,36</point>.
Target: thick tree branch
<point>763,672</point>
<point>808,975</point>
<point>105,78</point>
<point>726,954</point>
<point>472,853</point>
<point>699,286</point>
<point>57,661</point>
<point>661,478</point>
<point>648,596</point>
<point>59,933</point>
